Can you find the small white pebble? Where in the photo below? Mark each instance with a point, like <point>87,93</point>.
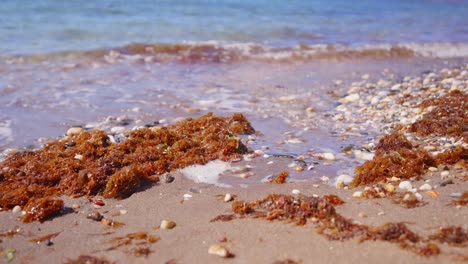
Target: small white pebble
<point>10,151</point>
<point>78,157</point>
<point>74,131</point>
<point>295,192</point>
<point>433,169</point>
<point>444,174</point>
<point>16,209</point>
<point>351,98</point>
<point>187,196</point>
<point>328,156</point>
<point>344,179</point>
<point>425,187</point>
<point>123,212</point>
<point>405,185</point>
<point>380,213</point>
<point>315,185</point>
<point>357,194</point>
<point>418,196</point>
<point>394,179</point>
<point>389,187</point>
<point>218,250</point>
<point>270,162</point>
<point>165,224</point>
<point>228,197</point>
<point>325,179</point>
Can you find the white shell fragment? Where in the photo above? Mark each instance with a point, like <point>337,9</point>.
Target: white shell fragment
<point>219,251</point>
<point>165,224</point>
<point>405,185</point>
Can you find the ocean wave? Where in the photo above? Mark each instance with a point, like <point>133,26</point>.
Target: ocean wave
<point>226,52</point>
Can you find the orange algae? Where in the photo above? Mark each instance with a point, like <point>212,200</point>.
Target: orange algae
<point>394,157</point>
<point>89,164</point>
<point>280,178</point>
<point>393,142</point>
<point>140,239</point>
<point>462,200</point>
<point>223,218</point>
<point>457,155</point>
<point>85,259</point>
<point>454,236</point>
<point>333,199</point>
<point>44,238</point>
<point>41,209</point>
<point>449,116</point>
<point>336,227</point>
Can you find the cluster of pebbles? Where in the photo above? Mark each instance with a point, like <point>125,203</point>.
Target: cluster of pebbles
<point>384,108</point>
<point>379,107</point>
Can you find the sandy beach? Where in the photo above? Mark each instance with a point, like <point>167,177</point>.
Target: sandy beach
<point>130,229</point>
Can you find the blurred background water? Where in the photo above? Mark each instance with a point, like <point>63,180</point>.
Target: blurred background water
<point>43,26</point>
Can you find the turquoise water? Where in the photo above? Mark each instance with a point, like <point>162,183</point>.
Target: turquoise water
<point>31,27</point>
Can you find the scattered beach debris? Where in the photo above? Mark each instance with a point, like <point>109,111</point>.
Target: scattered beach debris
<point>223,218</point>
<point>85,259</point>
<point>334,226</point>
<point>454,236</point>
<point>44,238</point>
<point>139,243</point>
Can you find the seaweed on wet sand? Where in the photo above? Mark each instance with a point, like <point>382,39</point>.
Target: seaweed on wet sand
<point>336,227</point>
<point>448,116</point>
<point>86,259</point>
<point>455,236</point>
<point>139,242</point>
<point>280,178</point>
<point>114,170</point>
<point>457,155</point>
<point>42,209</point>
<point>395,157</point>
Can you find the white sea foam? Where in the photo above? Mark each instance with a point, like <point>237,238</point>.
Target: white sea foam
<point>208,173</point>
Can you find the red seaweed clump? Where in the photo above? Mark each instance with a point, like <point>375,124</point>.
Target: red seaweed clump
<point>448,117</point>
<point>280,178</point>
<point>88,163</point>
<point>394,157</point>
<point>457,155</point>
<point>41,209</point>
